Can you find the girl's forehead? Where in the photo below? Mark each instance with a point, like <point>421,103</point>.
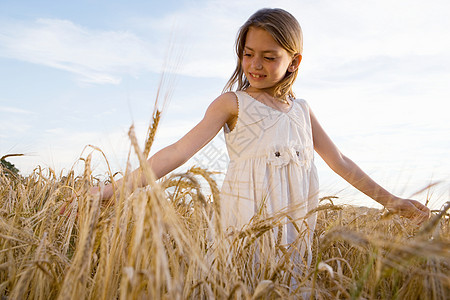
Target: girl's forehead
<point>261,40</point>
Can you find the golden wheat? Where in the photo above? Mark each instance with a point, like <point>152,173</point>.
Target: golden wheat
<point>166,245</point>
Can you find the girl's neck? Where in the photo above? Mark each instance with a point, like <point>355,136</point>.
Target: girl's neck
<point>267,94</point>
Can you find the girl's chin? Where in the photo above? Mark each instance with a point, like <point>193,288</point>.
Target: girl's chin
<point>257,83</point>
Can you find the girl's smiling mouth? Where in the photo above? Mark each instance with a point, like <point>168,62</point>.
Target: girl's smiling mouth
<point>257,76</point>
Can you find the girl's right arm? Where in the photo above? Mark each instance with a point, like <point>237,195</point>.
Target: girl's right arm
<point>222,110</point>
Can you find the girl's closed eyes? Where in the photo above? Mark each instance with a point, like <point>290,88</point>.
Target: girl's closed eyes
<point>265,57</point>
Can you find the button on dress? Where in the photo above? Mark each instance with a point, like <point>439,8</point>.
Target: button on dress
<point>271,166</point>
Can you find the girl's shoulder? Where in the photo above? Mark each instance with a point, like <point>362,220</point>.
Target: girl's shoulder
<point>227,101</point>
<point>301,107</point>
<point>302,102</point>
<point>299,100</point>
<point>229,98</point>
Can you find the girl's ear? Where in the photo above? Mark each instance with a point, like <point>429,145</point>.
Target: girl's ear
<point>296,60</point>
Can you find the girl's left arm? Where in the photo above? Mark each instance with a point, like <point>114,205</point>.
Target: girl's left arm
<point>353,174</point>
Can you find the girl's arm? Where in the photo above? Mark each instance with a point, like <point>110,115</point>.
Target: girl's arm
<point>222,110</point>
<point>348,170</point>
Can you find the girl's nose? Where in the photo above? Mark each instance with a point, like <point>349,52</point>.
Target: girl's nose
<point>256,64</point>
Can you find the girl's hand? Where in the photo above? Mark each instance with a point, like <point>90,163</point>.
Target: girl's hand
<point>410,209</point>
<point>105,192</point>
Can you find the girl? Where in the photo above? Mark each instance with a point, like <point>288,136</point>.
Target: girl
<point>270,135</point>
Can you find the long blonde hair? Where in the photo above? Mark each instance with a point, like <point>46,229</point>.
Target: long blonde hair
<point>285,30</point>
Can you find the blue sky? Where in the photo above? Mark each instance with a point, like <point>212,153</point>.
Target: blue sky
<point>375,73</point>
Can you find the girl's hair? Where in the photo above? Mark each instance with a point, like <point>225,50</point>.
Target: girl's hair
<point>285,29</point>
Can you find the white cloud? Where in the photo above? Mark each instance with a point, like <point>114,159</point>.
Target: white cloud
<point>14,121</point>
<point>96,56</point>
<point>14,110</point>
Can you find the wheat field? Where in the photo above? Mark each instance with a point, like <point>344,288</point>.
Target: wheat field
<point>57,241</point>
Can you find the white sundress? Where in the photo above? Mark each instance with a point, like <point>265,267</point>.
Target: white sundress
<point>271,163</point>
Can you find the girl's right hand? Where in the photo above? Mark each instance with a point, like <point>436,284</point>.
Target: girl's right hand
<point>105,192</point>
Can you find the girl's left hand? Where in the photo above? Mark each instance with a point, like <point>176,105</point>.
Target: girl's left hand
<point>410,209</point>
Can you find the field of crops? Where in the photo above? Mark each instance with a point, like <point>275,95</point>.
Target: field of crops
<point>57,241</point>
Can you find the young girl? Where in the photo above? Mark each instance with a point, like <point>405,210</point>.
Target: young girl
<point>270,135</point>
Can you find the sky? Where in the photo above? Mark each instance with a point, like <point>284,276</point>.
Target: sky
<point>78,73</point>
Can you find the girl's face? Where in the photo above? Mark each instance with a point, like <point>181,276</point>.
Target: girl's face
<point>264,61</point>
